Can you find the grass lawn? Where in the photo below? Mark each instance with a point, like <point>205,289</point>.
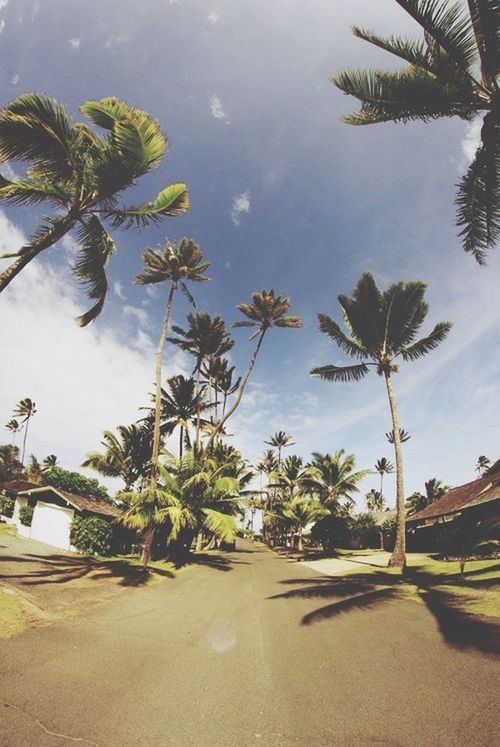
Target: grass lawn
<point>12,620</point>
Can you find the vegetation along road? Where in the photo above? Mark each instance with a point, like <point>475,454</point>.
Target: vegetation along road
<point>248,649</point>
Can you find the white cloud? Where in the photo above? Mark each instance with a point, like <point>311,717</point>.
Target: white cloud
<point>15,80</point>
<point>2,25</point>
<point>7,171</point>
<point>82,380</point>
<point>112,41</point>
<point>3,4</point>
<point>213,16</point>
<point>217,109</point>
<point>75,42</point>
<point>471,140</point>
<point>141,315</point>
<point>118,290</point>
<point>71,245</point>
<point>241,204</point>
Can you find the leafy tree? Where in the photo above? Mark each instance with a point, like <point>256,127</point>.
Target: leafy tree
<point>383,327</point>
<point>434,489</point>
<point>175,264</point>
<point>34,470</point>
<point>333,530</point>
<point>74,482</point>
<point>482,465</point>
<point>297,513</point>
<point>334,477</point>
<point>366,529</point>
<point>10,465</point>
<point>82,174</point>
<point>125,455</point>
<point>452,71</point>
<point>384,467</point>
<point>25,409</point>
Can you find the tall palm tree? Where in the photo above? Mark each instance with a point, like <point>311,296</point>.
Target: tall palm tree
<point>14,427</point>
<point>335,477</point>
<point>267,310</point>
<point>403,436</point>
<point>82,174</point>
<point>180,407</point>
<point>227,385</point>
<point>482,465</point>
<point>25,409</point>
<point>291,477</point>
<point>125,455</point>
<point>383,327</point>
<point>280,441</point>
<point>205,338</point>
<point>384,467</point>
<point>175,264</point>
<point>453,71</point>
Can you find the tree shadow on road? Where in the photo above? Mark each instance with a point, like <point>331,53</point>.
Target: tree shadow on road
<point>216,561</point>
<point>364,592</point>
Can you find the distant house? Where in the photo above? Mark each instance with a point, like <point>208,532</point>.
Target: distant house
<point>54,510</point>
<point>478,499</point>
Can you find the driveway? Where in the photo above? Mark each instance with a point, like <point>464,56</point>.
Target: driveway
<point>248,649</point>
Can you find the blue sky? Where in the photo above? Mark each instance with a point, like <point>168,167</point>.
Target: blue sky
<point>284,195</point>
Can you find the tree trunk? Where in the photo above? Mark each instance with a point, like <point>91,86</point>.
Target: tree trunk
<point>48,238</point>
<point>146,552</point>
<point>300,544</point>
<point>218,428</point>
<point>199,539</point>
<point>461,562</point>
<point>24,439</point>
<point>159,365</point>
<point>398,557</point>
<point>181,439</point>
<point>197,435</point>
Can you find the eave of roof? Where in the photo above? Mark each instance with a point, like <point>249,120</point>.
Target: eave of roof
<point>475,493</point>
<point>80,502</point>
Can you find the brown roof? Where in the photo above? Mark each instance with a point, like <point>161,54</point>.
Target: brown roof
<point>471,494</point>
<point>80,502</point>
<point>16,486</point>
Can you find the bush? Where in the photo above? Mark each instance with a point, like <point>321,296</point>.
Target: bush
<point>26,515</point>
<point>388,528</point>
<point>74,482</point>
<point>365,528</point>
<point>6,506</point>
<point>332,531</point>
<point>91,535</point>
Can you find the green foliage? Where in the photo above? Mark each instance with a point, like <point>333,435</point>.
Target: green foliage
<point>6,506</point>
<point>388,528</point>
<point>74,482</point>
<point>332,531</point>
<point>91,535</point>
<point>10,464</point>
<point>365,528</point>
<point>26,515</point>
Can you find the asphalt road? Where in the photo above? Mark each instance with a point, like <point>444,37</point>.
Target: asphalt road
<point>218,656</point>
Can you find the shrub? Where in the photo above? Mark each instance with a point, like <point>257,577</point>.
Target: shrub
<point>332,531</point>
<point>366,529</point>
<point>6,506</point>
<point>91,535</point>
<point>26,515</point>
<point>388,528</point>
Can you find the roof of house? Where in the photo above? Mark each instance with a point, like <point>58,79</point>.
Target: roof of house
<point>483,490</point>
<point>80,502</point>
<point>17,486</point>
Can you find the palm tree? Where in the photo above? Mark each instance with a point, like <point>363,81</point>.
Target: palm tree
<point>383,327</point>
<point>452,71</point>
<point>375,501</point>
<point>384,467</point>
<point>176,264</point>
<point>145,511</point>
<point>227,386</point>
<point>434,490</point>
<point>82,174</point>
<point>125,455</point>
<point>334,476</point>
<point>180,407</point>
<point>482,465</point>
<point>49,462</point>
<point>205,338</point>
<point>267,310</point>
<point>297,512</point>
<point>403,436</point>
<point>14,427</point>
<point>280,441</point>
<point>25,409</point>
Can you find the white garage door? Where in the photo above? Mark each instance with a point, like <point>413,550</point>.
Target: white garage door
<point>51,524</point>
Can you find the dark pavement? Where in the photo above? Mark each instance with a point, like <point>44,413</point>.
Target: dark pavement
<point>211,658</point>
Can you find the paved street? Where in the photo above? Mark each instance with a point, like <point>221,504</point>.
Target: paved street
<point>249,650</point>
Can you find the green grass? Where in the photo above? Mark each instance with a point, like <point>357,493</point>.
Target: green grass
<point>12,620</point>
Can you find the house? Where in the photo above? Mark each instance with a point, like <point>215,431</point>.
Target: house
<point>53,512</point>
<point>479,499</point>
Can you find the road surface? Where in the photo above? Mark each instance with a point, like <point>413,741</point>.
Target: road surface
<point>246,651</point>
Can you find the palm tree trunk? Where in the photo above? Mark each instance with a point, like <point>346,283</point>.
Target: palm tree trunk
<point>159,364</point>
<point>148,541</point>
<point>197,434</point>
<point>218,428</point>
<point>24,439</point>
<point>48,238</point>
<point>398,557</point>
<point>181,439</point>
<point>381,482</point>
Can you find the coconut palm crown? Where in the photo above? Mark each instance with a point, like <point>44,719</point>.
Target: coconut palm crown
<point>382,328</point>
<point>81,174</point>
<point>452,71</point>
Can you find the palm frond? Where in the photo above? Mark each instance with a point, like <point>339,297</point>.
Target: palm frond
<point>426,344</point>
<point>96,249</point>
<point>405,312</point>
<point>172,200</point>
<point>413,52</point>
<point>341,373</point>
<point>222,525</point>
<point>485,17</point>
<point>140,142</point>
<point>332,329</point>
<point>33,192</point>
<point>106,112</point>
<point>478,196</point>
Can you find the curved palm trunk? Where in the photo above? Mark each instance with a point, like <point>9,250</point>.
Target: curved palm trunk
<point>47,239</point>
<point>218,428</point>
<point>381,482</point>
<point>24,439</point>
<point>398,557</point>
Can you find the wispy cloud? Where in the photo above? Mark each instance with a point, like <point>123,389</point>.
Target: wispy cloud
<point>140,314</point>
<point>7,171</point>
<point>2,25</point>
<point>15,80</point>
<point>241,204</point>
<point>213,16</point>
<point>112,41</point>
<point>118,290</point>
<point>217,109</point>
<point>75,42</point>
<point>471,140</point>
<point>3,4</point>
